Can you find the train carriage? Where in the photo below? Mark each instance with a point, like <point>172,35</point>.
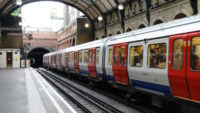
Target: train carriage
<point>152,49</point>
<point>163,60</point>
<point>91,59</point>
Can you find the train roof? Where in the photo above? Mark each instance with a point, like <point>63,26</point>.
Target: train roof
<point>92,44</point>
<point>189,24</point>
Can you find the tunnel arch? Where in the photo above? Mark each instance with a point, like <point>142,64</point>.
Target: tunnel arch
<point>36,56</point>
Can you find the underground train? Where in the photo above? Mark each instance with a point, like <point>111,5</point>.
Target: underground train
<point>163,60</point>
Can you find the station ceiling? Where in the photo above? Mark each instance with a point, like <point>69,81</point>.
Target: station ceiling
<point>91,8</point>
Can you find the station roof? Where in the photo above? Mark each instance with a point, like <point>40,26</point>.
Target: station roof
<point>91,8</point>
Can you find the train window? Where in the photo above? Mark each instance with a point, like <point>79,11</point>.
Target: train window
<point>85,57</point>
<point>136,56</point>
<point>195,54</point>
<point>122,56</point>
<point>177,54</point>
<point>80,57</point>
<point>110,56</point>
<point>157,55</point>
<point>116,55</point>
<point>0,53</point>
<point>97,56</point>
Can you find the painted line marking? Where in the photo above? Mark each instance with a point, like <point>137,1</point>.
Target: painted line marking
<point>37,75</point>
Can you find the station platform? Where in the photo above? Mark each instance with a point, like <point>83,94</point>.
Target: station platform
<point>25,91</point>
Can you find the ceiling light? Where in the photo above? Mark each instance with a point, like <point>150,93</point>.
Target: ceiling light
<point>20,23</point>
<point>18,2</point>
<point>87,25</point>
<point>100,18</point>
<point>120,6</point>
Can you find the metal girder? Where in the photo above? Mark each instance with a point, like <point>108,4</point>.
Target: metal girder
<point>194,6</point>
<point>121,15</point>
<point>148,4</point>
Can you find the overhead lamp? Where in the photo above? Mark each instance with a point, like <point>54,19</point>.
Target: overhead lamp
<point>87,25</point>
<point>100,18</point>
<point>19,15</point>
<point>120,6</point>
<point>20,23</point>
<point>18,2</point>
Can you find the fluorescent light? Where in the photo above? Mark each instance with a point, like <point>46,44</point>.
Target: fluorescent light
<point>100,18</point>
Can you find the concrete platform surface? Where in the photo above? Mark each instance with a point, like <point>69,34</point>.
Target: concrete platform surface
<point>25,91</point>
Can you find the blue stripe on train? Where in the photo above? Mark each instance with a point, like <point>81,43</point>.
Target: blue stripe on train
<point>151,86</point>
<point>100,76</point>
<point>84,72</point>
<point>145,85</point>
<point>110,78</point>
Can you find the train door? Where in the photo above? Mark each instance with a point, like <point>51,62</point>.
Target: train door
<point>119,66</point>
<point>91,64</point>
<point>193,65</point>
<point>177,66</point>
<point>9,59</point>
<point>76,67</point>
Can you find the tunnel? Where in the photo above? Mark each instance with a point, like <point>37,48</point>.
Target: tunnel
<point>36,55</point>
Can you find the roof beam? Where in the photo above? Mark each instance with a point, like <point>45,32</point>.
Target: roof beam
<point>121,15</point>
<point>104,18</point>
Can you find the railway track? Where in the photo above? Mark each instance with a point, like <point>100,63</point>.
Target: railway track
<point>84,100</point>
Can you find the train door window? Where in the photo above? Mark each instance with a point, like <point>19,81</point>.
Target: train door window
<point>157,55</point>
<point>86,57</point>
<point>178,54</point>
<point>136,56</point>
<point>195,54</point>
<point>110,56</point>
<point>80,57</point>
<point>97,56</point>
<point>66,57</point>
<point>116,55</point>
<point>122,55</point>
<point>90,57</point>
<point>71,57</point>
<point>93,57</point>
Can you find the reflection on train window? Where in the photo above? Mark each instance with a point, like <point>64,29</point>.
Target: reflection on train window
<point>85,57</point>
<point>97,56</point>
<point>110,56</point>
<point>80,57</point>
<point>136,56</point>
<point>178,54</point>
<point>90,57</point>
<point>122,56</point>
<point>157,55</point>
<point>116,55</point>
<point>195,54</point>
